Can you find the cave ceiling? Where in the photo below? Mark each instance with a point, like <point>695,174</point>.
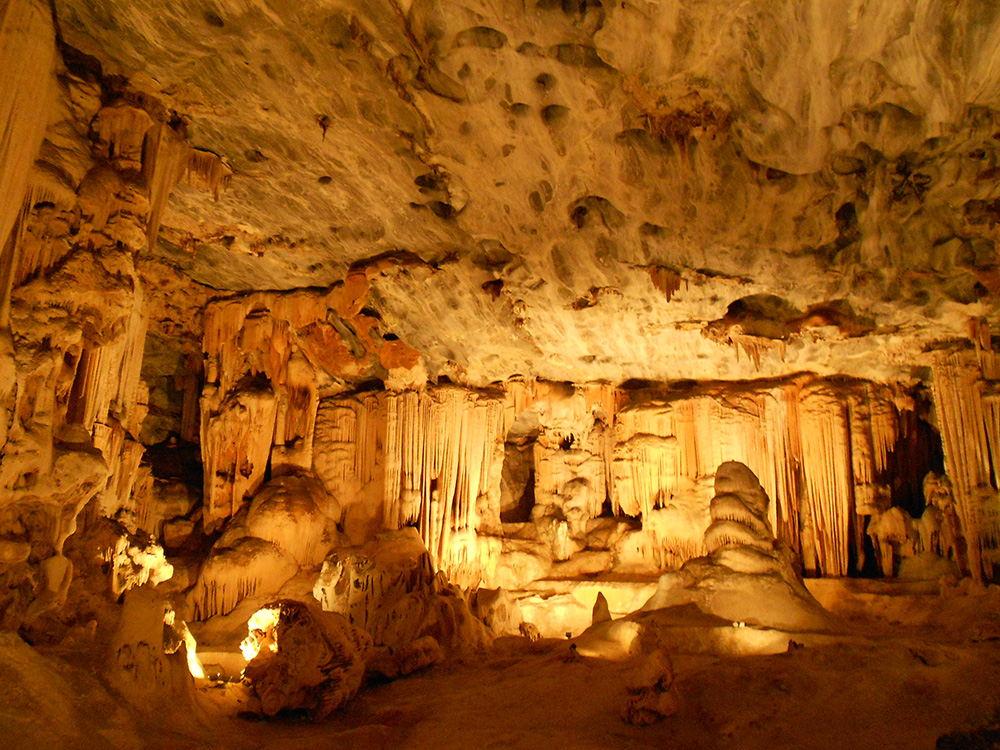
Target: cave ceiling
<point>588,191</point>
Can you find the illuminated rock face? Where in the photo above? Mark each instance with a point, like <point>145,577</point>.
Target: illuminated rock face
<point>375,243</point>
<point>289,525</point>
<point>731,189</point>
<point>308,659</point>
<point>388,588</point>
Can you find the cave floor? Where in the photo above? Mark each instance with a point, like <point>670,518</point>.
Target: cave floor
<point>905,669</point>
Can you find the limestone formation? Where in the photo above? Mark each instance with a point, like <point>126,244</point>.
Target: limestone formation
<point>289,525</point>
<point>651,693</point>
<point>896,537</point>
<point>748,575</point>
<point>388,588</point>
<point>499,611</point>
<point>305,658</point>
<point>150,667</point>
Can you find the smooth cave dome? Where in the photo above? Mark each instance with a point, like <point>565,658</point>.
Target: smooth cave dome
<point>474,373</point>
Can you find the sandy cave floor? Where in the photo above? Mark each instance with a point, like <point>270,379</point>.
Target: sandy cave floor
<point>906,669</point>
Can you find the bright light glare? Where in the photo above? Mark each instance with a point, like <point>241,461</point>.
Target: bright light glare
<point>194,663</point>
<point>260,629</point>
<point>190,644</point>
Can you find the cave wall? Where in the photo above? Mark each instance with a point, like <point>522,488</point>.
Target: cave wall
<point>433,456</point>
<point>86,165</point>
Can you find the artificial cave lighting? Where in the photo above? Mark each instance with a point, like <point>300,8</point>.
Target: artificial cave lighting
<point>194,664</point>
<point>134,563</point>
<point>260,632</point>
<point>475,373</point>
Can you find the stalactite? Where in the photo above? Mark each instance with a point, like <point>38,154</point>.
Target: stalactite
<point>231,574</point>
<point>27,59</point>
<point>965,398</point>
<point>782,479</point>
<point>253,353</point>
<point>573,452</point>
<point>258,334</point>
<point>755,346</point>
<point>41,237</point>
<point>444,443</point>
<point>236,438</point>
<point>207,172</point>
<point>346,447</point>
<point>795,436</point>
<point>296,418</point>
<point>644,471</point>
<point>826,449</point>
<point>165,160</point>
<point>666,280</point>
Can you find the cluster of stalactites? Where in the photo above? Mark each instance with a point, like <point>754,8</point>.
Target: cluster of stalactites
<point>84,183</point>
<point>443,455</point>
<point>261,395</point>
<point>267,358</point>
<point>430,459</point>
<point>349,435</point>
<point>815,446</point>
<point>967,398</point>
<point>27,58</point>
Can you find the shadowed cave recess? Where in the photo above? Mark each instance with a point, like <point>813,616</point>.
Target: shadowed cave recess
<point>467,373</point>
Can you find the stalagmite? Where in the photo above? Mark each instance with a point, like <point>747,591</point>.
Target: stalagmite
<point>651,693</point>
<point>749,576</point>
<point>146,651</point>
<point>795,435</point>
<point>289,524</point>
<point>388,587</point>
<point>297,516</point>
<point>939,495</point>
<point>895,537</point>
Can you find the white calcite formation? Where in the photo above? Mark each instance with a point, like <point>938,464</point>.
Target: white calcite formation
<point>748,576</point>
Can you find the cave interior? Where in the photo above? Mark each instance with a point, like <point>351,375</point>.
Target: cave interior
<point>469,373</point>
